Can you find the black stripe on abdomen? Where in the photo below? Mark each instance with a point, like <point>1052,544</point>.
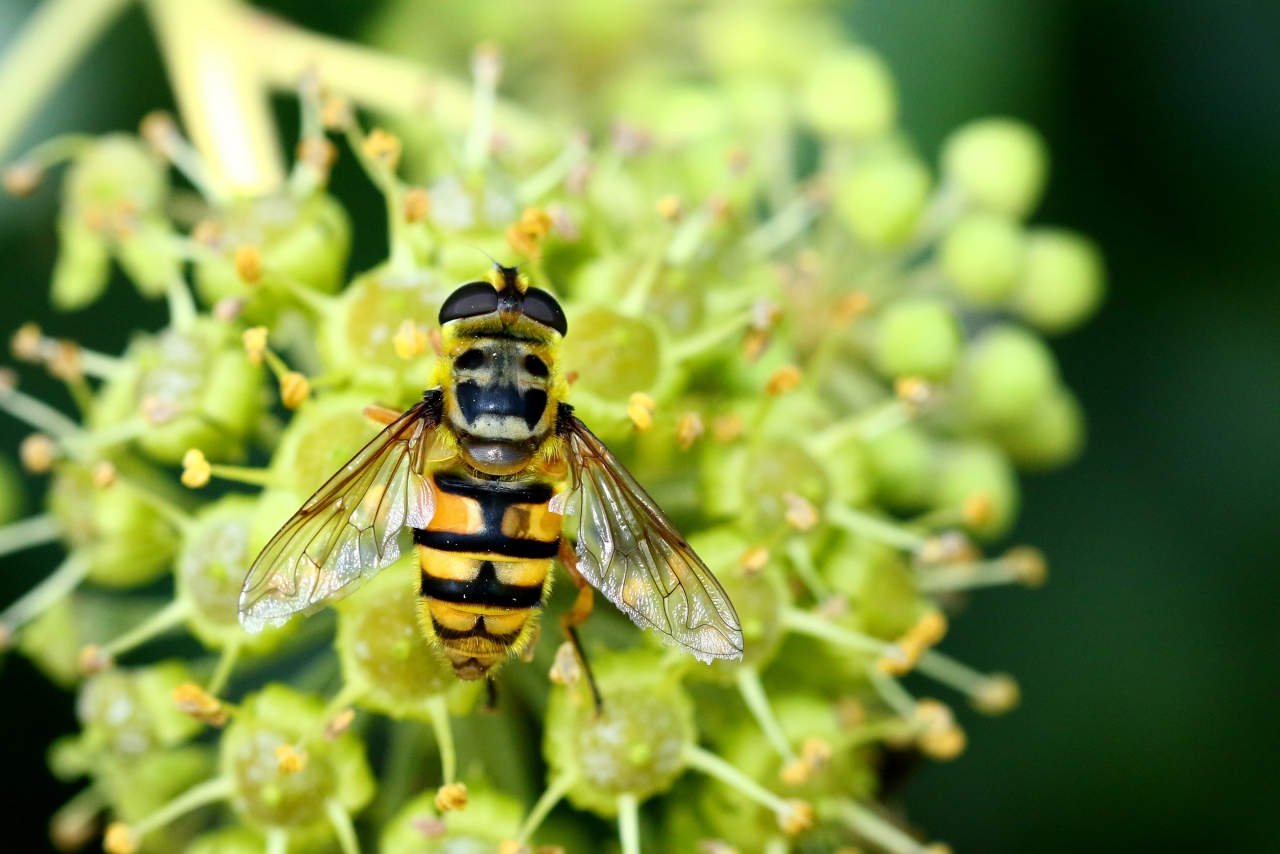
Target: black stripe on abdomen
<point>487,542</point>
<point>484,589</point>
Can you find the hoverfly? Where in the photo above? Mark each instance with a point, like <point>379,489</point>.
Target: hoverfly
<point>484,470</point>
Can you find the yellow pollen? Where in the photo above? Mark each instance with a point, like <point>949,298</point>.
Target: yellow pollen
<point>37,453</point>
<point>996,694</point>
<point>318,153</point>
<point>783,380</point>
<point>294,389</point>
<point>93,659</point>
<point>410,341</point>
<point>384,147</point>
<point>195,702</point>
<point>689,428</point>
<point>795,772</point>
<point>937,733</point>
<point>914,392</point>
<point>670,208</point>
<point>196,470</point>
<point>451,797</point>
<point>565,670</point>
<point>64,361</point>
<point>510,846</point>
<point>801,514</point>
<point>754,559</point>
<point>929,629</point>
<point>340,724</point>
<point>851,306</point>
<point>949,547</point>
<point>160,131</point>
<point>22,179</point>
<point>26,343</point>
<point>640,409</point>
<point>727,428</point>
<point>248,263</point>
<point>335,113</point>
<point>255,343</point>
<point>119,839</point>
<point>797,819</point>
<point>290,759</point>
<point>527,235</point>
<point>1028,565</point>
<point>417,204</point>
<point>978,510</point>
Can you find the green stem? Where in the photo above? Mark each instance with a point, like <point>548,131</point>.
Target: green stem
<point>37,414</point>
<point>444,737</point>
<point>157,624</point>
<point>340,820</point>
<point>629,823</point>
<point>32,531</point>
<point>199,795</point>
<point>757,701</point>
<point>226,664</point>
<point>555,790</point>
<point>277,841</point>
<point>875,829</point>
<point>52,41</point>
<point>796,620</point>
<point>892,692</point>
<point>57,585</point>
<point>858,522</point>
<point>713,766</point>
<point>950,672</point>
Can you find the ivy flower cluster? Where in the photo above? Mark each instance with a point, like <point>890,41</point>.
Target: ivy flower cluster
<point>825,358</point>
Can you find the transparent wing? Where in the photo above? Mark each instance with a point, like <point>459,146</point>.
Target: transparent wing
<point>629,551</point>
<point>348,529</point>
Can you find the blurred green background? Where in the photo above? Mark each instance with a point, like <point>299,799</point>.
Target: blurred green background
<point>1149,663</point>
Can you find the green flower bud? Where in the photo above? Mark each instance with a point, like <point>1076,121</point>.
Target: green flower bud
<point>901,462</point>
<point>305,241</point>
<point>853,477</point>
<point>982,256</point>
<point>129,542</point>
<point>1000,164</point>
<point>976,470</point>
<point>211,569</point>
<point>614,355</point>
<point>325,432</point>
<point>635,746</point>
<point>1051,436</point>
<point>1063,282</point>
<point>229,840</point>
<point>131,712</point>
<point>490,818</point>
<point>116,172</point>
<point>759,598</point>
<point>882,198</point>
<point>918,337</point>
<point>267,795</point>
<point>776,470</point>
<point>195,387</point>
<point>877,577</point>
<point>383,651</point>
<point>849,93</point>
<point>359,336</point>
<point>1009,371</point>
<point>83,268</point>
<point>746,38</point>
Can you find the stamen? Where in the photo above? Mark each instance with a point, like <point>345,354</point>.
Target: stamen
<point>781,228</point>
<point>226,664</point>
<point>36,413</point>
<point>994,694</point>
<point>28,533</point>
<point>37,453</point>
<point>125,839</point>
<point>753,694</point>
<point>343,828</point>
<point>55,587</point>
<point>553,794</point>
<point>486,69</point>
<point>876,830</point>
<point>197,703</point>
<point>168,617</point>
<point>629,823</point>
<point>797,620</point>
<point>864,524</point>
<point>160,131</point>
<point>802,562</point>
<point>76,822</point>
<point>438,708</point>
<point>533,188</point>
<point>793,815</point>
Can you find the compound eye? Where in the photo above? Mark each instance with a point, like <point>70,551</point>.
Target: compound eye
<point>470,300</point>
<point>542,307</point>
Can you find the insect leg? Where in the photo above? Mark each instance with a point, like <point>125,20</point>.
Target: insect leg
<point>380,414</point>
<point>577,615</point>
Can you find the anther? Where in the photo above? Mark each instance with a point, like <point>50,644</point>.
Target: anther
<point>1028,565</point>
<point>294,389</point>
<point>754,560</point>
<point>784,379</point>
<point>339,725</point>
<point>290,759</point>
<point>195,702</point>
<point>640,409</point>
<point>801,514</point>
<point>383,147</point>
<point>451,797</point>
<point>26,343</point>
<point>727,428</point>
<point>196,469</point>
<point>417,204</point>
<point>37,453</point>
<point>670,208</point>
<point>255,343</point>
<point>248,263</point>
<point>22,179</point>
<point>689,428</point>
<point>797,819</point>
<point>120,839</point>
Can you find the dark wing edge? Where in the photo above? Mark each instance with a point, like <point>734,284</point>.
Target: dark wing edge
<point>348,529</point>
<point>629,550</point>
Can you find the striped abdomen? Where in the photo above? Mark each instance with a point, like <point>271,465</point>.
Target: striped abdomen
<point>486,560</point>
